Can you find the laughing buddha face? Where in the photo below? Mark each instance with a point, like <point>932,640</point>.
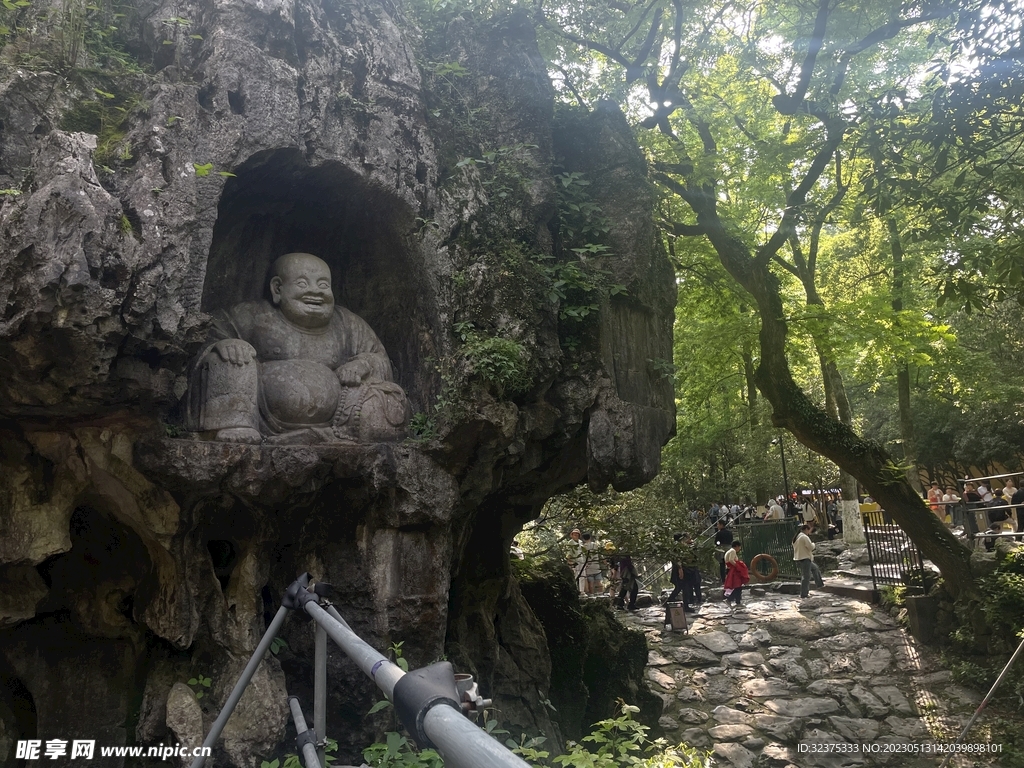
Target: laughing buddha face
<point>301,289</point>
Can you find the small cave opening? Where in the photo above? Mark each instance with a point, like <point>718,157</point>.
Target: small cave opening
<point>277,203</point>
<point>105,556</point>
<point>224,556</point>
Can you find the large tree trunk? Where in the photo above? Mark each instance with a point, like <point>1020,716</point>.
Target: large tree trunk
<point>907,428</point>
<point>838,406</point>
<point>794,411</point>
<point>902,369</point>
<point>760,491</point>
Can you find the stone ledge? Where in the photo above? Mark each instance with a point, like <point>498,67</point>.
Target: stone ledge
<point>272,474</point>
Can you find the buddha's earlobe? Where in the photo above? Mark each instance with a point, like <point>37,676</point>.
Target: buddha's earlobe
<point>275,289</point>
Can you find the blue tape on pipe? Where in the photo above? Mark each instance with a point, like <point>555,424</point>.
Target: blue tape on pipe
<point>373,672</point>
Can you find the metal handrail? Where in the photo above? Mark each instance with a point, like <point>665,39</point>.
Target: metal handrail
<point>426,700</point>
<point>649,579</point>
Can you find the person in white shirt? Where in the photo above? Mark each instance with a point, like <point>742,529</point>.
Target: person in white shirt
<point>803,555</point>
<point>775,511</point>
<point>577,558</point>
<point>809,512</point>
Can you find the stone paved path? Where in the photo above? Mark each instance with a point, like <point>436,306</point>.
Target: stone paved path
<point>754,683</point>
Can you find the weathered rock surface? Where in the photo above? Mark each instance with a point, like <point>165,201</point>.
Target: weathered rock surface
<point>184,716</point>
<point>718,642</point>
<point>304,127</point>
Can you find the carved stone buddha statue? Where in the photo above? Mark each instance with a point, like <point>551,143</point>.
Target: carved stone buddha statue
<point>299,370</point>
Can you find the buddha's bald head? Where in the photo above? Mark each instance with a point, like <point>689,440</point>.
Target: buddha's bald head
<point>300,285</point>
<point>291,261</point>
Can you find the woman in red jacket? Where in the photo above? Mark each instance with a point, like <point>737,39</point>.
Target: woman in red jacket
<point>736,573</point>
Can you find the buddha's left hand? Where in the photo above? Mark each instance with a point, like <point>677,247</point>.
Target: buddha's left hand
<point>352,373</point>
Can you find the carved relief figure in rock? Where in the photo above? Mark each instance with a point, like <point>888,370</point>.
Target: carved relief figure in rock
<point>299,370</point>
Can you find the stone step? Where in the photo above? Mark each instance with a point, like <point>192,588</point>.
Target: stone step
<point>865,593</point>
<point>856,590</point>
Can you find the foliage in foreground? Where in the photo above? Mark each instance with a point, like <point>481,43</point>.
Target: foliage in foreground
<point>614,743</point>
<point>976,661</point>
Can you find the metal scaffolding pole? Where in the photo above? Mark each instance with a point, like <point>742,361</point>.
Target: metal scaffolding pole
<point>320,692</point>
<point>243,681</point>
<point>461,743</point>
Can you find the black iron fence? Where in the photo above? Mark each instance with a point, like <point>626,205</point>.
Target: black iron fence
<point>771,537</point>
<point>893,557</point>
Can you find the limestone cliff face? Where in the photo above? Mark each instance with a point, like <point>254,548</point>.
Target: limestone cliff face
<point>431,174</point>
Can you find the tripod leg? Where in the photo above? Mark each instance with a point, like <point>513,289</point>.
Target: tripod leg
<point>243,681</point>
<point>320,690</point>
<point>304,738</point>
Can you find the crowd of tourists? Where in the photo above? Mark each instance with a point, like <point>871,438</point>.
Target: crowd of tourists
<point>600,569</point>
<point>999,498</point>
<point>822,510</point>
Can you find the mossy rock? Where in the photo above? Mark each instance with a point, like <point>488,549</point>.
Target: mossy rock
<point>595,660</point>
<point>551,591</point>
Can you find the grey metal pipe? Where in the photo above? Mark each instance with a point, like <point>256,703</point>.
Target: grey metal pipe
<point>464,744</point>
<point>372,662</point>
<point>320,690</point>
<point>461,743</point>
<point>308,750</point>
<point>243,681</point>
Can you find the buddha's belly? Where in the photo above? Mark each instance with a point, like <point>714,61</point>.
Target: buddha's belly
<point>300,391</point>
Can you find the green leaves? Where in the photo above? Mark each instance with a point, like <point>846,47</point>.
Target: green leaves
<point>396,651</point>
<point>398,752</point>
<point>199,685</point>
<point>498,361</point>
<point>450,69</point>
<point>203,169</point>
<point>622,741</point>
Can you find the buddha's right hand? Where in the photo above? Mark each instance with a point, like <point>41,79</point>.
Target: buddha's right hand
<point>235,351</point>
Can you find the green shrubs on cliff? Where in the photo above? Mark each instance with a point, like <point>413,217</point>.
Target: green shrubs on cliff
<point>618,742</point>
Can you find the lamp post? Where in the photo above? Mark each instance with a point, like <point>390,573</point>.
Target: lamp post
<point>782,452</point>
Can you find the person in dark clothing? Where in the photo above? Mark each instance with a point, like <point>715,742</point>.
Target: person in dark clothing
<point>723,540</point>
<point>691,586</point>
<point>678,579</point>
<point>630,583</point>
<point>971,495</point>
<point>684,569</point>
<point>791,508</point>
